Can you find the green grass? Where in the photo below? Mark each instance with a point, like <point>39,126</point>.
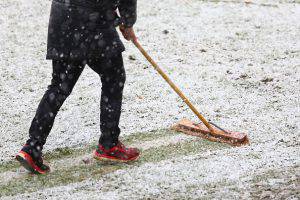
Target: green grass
<point>9,165</point>
<point>68,152</point>
<point>81,172</point>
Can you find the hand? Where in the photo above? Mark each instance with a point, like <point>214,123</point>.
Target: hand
<point>128,33</point>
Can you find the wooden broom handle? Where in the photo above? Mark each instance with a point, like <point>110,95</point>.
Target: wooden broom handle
<point>170,82</point>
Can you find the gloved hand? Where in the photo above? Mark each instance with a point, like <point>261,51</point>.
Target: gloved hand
<point>128,33</point>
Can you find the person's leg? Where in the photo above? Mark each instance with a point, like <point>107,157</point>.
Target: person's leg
<point>113,78</point>
<point>65,75</point>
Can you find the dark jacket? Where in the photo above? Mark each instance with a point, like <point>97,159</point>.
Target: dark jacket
<point>85,29</point>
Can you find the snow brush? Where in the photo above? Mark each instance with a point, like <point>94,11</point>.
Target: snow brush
<point>206,129</point>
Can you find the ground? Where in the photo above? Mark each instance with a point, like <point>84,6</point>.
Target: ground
<point>239,63</point>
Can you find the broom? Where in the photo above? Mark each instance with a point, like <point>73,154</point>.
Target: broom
<point>206,130</point>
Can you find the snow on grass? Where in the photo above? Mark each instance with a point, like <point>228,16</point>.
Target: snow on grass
<point>238,63</point>
<point>68,170</point>
<point>184,176</point>
<point>217,53</point>
<point>66,157</point>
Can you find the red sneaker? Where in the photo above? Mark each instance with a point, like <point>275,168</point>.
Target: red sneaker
<point>30,162</point>
<point>118,153</point>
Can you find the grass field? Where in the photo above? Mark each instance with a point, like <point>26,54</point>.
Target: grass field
<point>76,165</point>
<point>238,63</point>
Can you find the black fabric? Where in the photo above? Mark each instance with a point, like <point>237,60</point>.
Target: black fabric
<point>64,77</point>
<point>85,29</point>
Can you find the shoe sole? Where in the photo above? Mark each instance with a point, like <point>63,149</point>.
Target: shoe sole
<point>21,158</point>
<point>103,159</point>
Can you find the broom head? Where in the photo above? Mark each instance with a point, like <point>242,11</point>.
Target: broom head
<point>233,138</point>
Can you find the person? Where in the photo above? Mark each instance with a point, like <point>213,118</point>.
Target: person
<point>80,33</point>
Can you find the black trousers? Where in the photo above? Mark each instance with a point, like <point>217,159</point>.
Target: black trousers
<point>64,77</point>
